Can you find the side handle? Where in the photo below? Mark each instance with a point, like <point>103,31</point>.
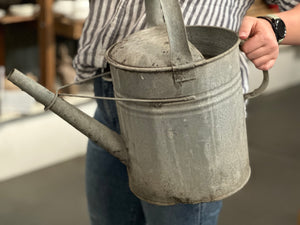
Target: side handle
<point>261,88</point>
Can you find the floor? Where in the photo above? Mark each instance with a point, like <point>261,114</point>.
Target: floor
<point>55,195</point>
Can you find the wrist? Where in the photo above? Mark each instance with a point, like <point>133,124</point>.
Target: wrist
<point>278,26</point>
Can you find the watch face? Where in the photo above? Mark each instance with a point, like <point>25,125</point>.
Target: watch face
<point>280,28</point>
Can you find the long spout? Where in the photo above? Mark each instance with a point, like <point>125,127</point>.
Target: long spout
<point>97,132</point>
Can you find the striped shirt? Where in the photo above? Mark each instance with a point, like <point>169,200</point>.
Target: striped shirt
<point>284,4</point>
<point>110,21</point>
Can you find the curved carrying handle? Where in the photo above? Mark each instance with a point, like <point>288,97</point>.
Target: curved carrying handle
<point>260,89</point>
<point>171,11</point>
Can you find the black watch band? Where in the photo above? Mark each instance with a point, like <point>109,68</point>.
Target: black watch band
<point>278,26</point>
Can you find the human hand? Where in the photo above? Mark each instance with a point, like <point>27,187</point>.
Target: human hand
<point>260,44</point>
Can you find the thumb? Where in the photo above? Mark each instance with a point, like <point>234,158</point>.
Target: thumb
<point>246,27</point>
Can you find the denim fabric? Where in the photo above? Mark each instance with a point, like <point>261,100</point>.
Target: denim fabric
<point>110,200</point>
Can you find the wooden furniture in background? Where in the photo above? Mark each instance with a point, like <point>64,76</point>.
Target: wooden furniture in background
<point>2,46</point>
<point>259,8</point>
<point>68,28</point>
<point>5,21</point>
<point>9,19</point>
<point>49,25</point>
<point>46,37</point>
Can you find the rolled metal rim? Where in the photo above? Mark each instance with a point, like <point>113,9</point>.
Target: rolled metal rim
<point>187,66</point>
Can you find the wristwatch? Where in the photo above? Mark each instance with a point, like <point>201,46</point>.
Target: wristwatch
<point>277,25</point>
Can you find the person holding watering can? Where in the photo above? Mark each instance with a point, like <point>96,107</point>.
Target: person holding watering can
<point>110,200</point>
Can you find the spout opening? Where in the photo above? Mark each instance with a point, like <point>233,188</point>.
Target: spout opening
<point>11,73</point>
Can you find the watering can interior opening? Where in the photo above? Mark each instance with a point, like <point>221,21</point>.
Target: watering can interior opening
<point>211,41</point>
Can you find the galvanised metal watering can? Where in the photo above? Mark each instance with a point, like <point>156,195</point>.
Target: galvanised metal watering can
<point>183,138</point>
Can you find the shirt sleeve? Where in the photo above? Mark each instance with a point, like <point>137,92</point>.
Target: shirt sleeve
<point>108,22</point>
<point>284,5</point>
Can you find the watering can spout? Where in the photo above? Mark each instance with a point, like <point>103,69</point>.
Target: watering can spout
<point>97,132</point>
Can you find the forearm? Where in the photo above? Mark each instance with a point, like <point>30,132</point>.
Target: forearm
<point>291,19</point>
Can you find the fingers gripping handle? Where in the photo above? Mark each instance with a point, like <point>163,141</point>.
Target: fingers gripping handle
<point>263,85</point>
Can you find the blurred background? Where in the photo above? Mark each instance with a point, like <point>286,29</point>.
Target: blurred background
<point>42,168</point>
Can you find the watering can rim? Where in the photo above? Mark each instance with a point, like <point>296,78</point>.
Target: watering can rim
<point>187,66</point>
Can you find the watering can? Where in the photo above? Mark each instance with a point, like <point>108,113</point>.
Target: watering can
<point>181,109</point>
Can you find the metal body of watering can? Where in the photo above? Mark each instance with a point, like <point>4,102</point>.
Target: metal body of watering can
<point>186,142</point>
<point>190,151</point>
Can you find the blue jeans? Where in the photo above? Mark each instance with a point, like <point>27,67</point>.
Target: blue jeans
<point>110,200</point>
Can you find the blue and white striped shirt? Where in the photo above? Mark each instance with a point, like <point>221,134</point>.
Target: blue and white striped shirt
<point>284,4</point>
<point>110,21</point>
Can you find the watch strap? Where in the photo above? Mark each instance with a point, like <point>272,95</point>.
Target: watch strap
<point>271,18</point>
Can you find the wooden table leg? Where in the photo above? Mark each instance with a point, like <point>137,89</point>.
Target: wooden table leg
<point>47,44</point>
<point>2,46</point>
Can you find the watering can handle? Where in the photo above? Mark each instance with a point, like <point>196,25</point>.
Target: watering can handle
<point>261,88</point>
<point>179,48</point>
